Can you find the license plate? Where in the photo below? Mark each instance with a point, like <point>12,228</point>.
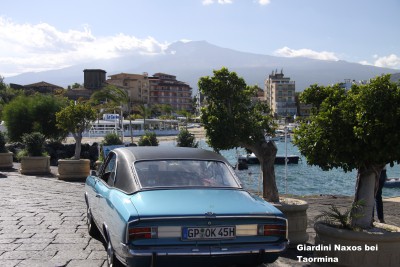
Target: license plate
<point>204,233</point>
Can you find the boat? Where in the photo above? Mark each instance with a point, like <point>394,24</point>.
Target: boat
<point>392,183</point>
<point>279,159</point>
<point>279,136</point>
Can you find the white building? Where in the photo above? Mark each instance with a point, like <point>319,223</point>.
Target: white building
<point>280,94</point>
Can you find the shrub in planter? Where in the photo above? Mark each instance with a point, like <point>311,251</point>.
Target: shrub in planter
<point>148,139</point>
<point>186,139</point>
<point>6,157</point>
<point>370,247</point>
<point>34,159</point>
<point>34,144</point>
<point>111,139</point>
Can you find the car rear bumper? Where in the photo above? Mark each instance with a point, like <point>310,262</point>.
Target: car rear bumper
<point>204,255</point>
<point>208,250</point>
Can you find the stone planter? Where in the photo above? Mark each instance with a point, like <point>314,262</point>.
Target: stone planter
<point>6,160</point>
<point>74,170</point>
<point>367,248</point>
<point>35,165</point>
<point>295,211</point>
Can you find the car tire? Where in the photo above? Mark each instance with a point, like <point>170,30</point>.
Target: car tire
<point>92,227</point>
<point>112,260</point>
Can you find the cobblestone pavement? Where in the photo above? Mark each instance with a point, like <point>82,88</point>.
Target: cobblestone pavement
<point>43,223</point>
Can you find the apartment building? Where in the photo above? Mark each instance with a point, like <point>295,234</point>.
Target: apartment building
<point>166,89</point>
<point>137,86</point>
<point>280,94</point>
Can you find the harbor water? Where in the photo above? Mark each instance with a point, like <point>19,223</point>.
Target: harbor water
<point>301,178</point>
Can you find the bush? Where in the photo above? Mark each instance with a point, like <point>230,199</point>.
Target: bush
<point>111,139</point>
<point>34,144</point>
<point>33,114</point>
<point>186,139</point>
<point>148,139</point>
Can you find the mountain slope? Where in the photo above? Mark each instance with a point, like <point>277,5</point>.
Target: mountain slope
<point>192,60</point>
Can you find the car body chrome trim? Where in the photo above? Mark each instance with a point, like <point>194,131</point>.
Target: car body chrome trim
<point>226,250</point>
<point>216,217</point>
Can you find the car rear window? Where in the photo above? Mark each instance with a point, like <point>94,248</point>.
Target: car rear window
<point>184,173</point>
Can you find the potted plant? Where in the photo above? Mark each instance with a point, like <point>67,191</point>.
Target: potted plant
<point>186,139</point>
<point>34,159</point>
<point>348,245</point>
<point>148,139</point>
<point>355,129</point>
<point>232,118</point>
<point>6,157</point>
<point>75,118</point>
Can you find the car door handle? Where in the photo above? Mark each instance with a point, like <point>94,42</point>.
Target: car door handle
<point>99,196</point>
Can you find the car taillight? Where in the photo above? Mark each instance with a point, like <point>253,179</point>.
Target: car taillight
<point>142,233</point>
<point>272,230</point>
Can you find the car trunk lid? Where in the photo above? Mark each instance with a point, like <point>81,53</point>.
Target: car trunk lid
<point>195,202</point>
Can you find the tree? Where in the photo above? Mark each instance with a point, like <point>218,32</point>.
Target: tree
<point>188,116</point>
<point>167,109</point>
<point>6,94</point>
<point>44,108</point>
<point>114,98</point>
<point>186,139</point>
<point>232,120</point>
<point>76,85</point>
<point>35,113</point>
<point>18,118</point>
<point>76,118</point>
<point>355,129</point>
<point>145,111</point>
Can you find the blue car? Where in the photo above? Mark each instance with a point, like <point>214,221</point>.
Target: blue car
<point>174,206</point>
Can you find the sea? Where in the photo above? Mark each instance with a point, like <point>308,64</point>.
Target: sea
<point>299,179</point>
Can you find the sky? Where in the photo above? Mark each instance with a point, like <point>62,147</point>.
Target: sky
<point>46,34</point>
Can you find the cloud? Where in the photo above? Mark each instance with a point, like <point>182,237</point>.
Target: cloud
<point>38,47</point>
<point>391,61</point>
<point>264,2</point>
<point>221,2</point>
<point>288,52</point>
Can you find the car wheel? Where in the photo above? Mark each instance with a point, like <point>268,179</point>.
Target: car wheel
<point>92,228</point>
<point>112,261</point>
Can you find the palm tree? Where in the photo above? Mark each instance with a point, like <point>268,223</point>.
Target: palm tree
<point>114,97</point>
<point>167,109</point>
<point>145,111</point>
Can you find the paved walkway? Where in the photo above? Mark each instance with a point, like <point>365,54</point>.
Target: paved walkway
<point>43,223</point>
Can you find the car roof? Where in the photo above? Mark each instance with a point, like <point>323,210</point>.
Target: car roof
<point>168,152</point>
<point>128,155</point>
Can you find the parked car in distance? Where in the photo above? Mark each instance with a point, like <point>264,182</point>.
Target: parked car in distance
<point>179,206</point>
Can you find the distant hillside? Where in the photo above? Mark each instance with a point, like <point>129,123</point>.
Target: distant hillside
<point>395,77</point>
<point>192,60</point>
